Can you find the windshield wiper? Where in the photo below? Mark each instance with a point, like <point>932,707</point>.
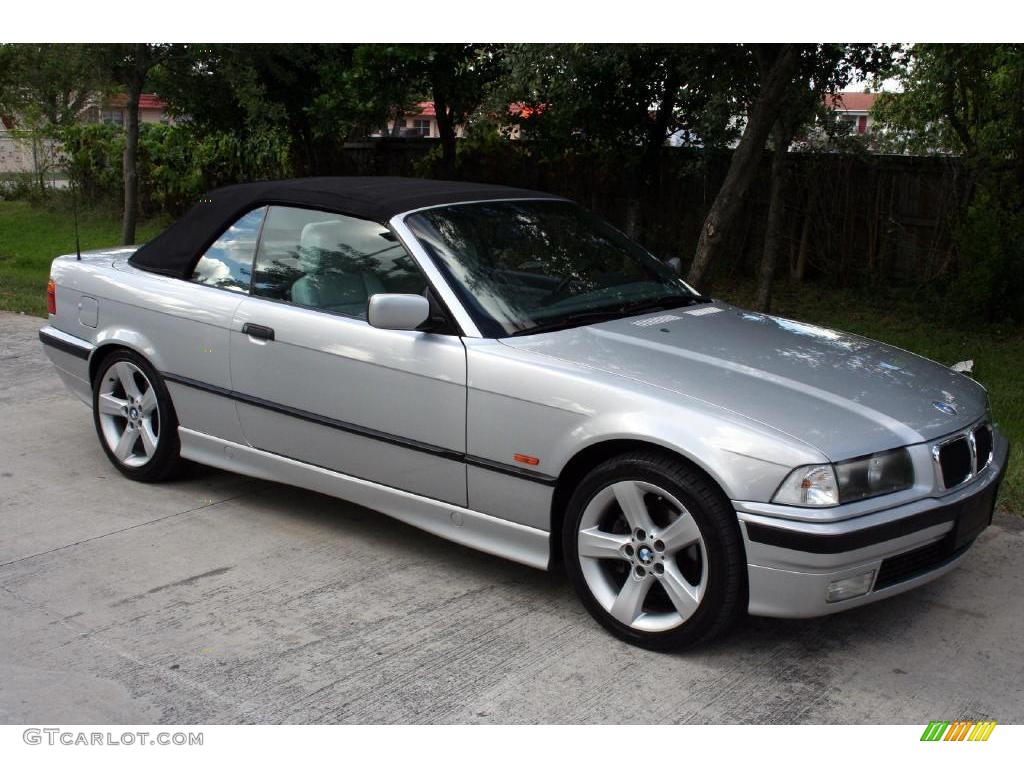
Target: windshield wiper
<point>664,302</point>
<point>572,321</point>
<point>625,310</point>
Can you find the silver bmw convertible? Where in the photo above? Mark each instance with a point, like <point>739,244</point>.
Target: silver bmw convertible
<point>499,367</point>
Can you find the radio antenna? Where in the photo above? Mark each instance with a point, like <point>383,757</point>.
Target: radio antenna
<point>74,206</point>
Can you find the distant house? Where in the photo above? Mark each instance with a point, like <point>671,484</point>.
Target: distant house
<point>23,150</point>
<point>420,123</point>
<point>113,110</point>
<point>853,110</point>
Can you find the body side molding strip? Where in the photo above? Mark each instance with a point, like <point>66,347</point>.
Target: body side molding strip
<point>373,434</point>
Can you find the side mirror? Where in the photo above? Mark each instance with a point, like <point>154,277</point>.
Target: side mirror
<point>397,311</point>
<point>675,264</point>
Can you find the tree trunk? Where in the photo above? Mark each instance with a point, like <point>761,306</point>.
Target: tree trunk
<point>446,127</point>
<point>650,161</point>
<point>397,125</point>
<point>745,161</point>
<point>776,215</point>
<point>805,238</point>
<point>131,155</point>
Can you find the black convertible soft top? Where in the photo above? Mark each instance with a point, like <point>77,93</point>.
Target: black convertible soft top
<point>377,198</point>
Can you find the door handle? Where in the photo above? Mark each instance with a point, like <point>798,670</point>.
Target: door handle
<point>258,331</point>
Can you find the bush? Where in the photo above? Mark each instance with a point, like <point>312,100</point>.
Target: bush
<point>93,158</point>
<point>21,186</point>
<point>176,164</point>
<point>989,237</point>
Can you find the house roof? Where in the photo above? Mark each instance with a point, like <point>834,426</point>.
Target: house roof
<point>851,101</point>
<point>146,101</point>
<point>426,109</point>
<point>525,111</point>
<point>376,198</point>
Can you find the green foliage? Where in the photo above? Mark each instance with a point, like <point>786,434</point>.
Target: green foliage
<point>989,284</point>
<point>94,160</point>
<point>602,95</point>
<point>311,93</point>
<point>968,99</point>
<point>176,163</point>
<point>47,85</point>
<point>22,186</point>
<point>957,98</point>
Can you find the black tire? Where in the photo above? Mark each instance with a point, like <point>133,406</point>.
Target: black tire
<point>724,591</point>
<point>166,460</point>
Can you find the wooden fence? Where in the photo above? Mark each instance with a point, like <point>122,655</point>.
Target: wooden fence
<point>856,218</point>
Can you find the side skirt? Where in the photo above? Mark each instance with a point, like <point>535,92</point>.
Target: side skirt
<point>512,541</point>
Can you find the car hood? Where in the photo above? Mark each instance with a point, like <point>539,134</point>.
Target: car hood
<point>841,393</point>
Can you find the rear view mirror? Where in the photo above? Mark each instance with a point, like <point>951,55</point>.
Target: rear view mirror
<point>398,311</point>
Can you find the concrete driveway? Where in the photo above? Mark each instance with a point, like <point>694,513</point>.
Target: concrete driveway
<point>217,598</point>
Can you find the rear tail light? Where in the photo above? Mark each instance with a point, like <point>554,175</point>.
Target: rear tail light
<point>51,297</point>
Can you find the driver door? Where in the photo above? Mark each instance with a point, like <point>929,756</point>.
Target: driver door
<point>315,382</point>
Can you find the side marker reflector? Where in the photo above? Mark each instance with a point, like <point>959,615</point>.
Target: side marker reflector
<point>522,458</point>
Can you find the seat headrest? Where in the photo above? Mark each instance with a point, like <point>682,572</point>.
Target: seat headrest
<point>318,239</point>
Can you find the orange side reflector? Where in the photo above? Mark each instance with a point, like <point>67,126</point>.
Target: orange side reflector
<point>522,458</point>
<point>51,297</point>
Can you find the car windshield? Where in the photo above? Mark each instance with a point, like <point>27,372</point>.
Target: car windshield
<point>526,266</point>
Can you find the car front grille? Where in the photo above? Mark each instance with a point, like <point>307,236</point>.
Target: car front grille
<point>962,457</point>
<point>955,462</point>
<point>983,444</point>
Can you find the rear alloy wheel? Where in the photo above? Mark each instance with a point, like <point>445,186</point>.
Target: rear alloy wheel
<point>134,418</point>
<point>654,552</point>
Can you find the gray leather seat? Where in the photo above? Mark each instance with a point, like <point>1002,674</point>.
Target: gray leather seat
<point>332,279</point>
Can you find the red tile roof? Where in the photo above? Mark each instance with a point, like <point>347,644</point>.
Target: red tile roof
<point>426,109</point>
<point>851,101</point>
<point>146,101</point>
<point>525,111</point>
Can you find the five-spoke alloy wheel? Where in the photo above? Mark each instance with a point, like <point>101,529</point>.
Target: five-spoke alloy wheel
<point>654,552</point>
<point>134,418</point>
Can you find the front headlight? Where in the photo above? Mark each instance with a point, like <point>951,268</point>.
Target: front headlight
<point>874,475</point>
<point>813,486</point>
<point>825,485</point>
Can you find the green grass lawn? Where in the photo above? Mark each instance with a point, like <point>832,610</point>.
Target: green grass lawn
<point>31,237</point>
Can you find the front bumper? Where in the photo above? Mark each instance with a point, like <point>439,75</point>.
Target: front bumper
<point>790,564</point>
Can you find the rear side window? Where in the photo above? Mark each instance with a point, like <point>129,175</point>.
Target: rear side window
<point>228,262</point>
<point>331,262</point>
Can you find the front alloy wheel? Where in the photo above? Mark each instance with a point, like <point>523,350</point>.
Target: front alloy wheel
<point>134,418</point>
<point>654,552</point>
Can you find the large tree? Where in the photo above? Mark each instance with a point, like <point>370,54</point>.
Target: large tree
<point>128,67</point>
<point>968,100</point>
<point>820,70</point>
<point>46,87</point>
<point>457,77</point>
<point>785,83</point>
<point>301,91</point>
<point>959,98</point>
<point>619,100</point>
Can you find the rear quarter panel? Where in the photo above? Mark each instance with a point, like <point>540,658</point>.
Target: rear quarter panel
<point>178,326</point>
